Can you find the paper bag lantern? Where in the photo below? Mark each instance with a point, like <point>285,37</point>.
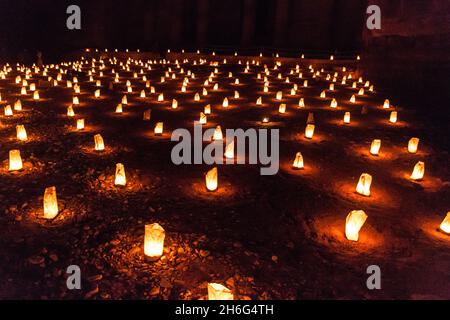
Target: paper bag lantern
<point>97,93</point>
<point>236,94</point>
<point>17,105</point>
<point>154,241</point>
<point>347,117</point>
<point>50,203</point>
<point>70,112</point>
<point>229,150</point>
<point>21,133</point>
<point>207,109</point>
<point>161,97</point>
<point>15,160</point>
<point>413,145</point>
<point>225,103</point>
<point>298,162</point>
<point>333,103</point>
<point>375,147</point>
<point>386,104</point>
<point>174,104</point>
<point>99,144</point>
<point>265,120</point>
<point>419,171</point>
<point>147,115</point>
<point>80,124</point>
<point>279,95</point>
<point>218,134</point>
<point>120,177</point>
<point>75,101</point>
<point>203,119</point>
<point>197,97</point>
<point>259,101</point>
<point>8,111</point>
<point>353,99</point>
<point>445,225</point>
<point>282,108</point>
<point>364,183</point>
<point>36,95</point>
<point>301,103</point>
<point>119,108</point>
<point>142,95</point>
<point>353,224</point>
<point>212,179</point>
<point>393,117</point>
<point>159,128</point>
<point>309,131</point>
<point>124,100</point>
<point>219,292</point>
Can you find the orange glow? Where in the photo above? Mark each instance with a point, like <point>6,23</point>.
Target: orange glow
<point>174,104</point>
<point>375,147</point>
<point>218,134</point>
<point>229,150</point>
<point>21,133</point>
<point>80,124</point>
<point>159,128</point>
<point>347,117</point>
<point>393,117</point>
<point>298,161</point>
<point>99,144</point>
<point>282,108</point>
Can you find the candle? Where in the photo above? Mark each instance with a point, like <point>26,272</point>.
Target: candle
<point>50,203</point>
<point>212,179</point>
<point>15,160</point>
<point>375,147</point>
<point>364,183</point>
<point>353,224</point>
<point>153,241</point>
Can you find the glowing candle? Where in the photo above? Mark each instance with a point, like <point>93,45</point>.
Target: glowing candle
<point>393,117</point>
<point>331,87</point>
<point>323,94</point>
<point>124,100</point>
<point>207,109</point>
<point>361,92</point>
<point>21,133</point>
<point>229,150</point>
<point>197,97</point>
<point>212,179</point>
<point>174,104</point>
<point>205,92</point>
<point>347,117</point>
<point>159,128</point>
<point>413,145</point>
<point>161,97</point>
<point>309,131</point>
<point>75,101</point>
<point>353,99</point>
<point>142,95</point>
<point>36,95</point>
<point>23,91</point>
<point>236,94</point>
<point>282,108</point>
<point>363,187</point>
<point>259,101</point>
<point>70,112</point>
<point>80,124</point>
<point>153,241</point>
<point>333,103</point>
<point>17,105</point>
<point>279,95</point>
<point>386,104</point>
<point>298,161</point>
<point>15,160</point>
<point>375,147</point>
<point>99,144</point>
<point>310,118</point>
<point>97,93</point>
<point>225,103</point>
<point>445,225</point>
<point>219,292</point>
<point>120,178</point>
<point>203,119</point>
<point>50,203</point>
<point>353,224</point>
<point>419,171</point>
<point>218,134</point>
<point>119,108</point>
<point>8,111</point>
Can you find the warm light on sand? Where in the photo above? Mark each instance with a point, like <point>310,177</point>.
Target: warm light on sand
<point>219,292</point>
<point>154,241</point>
<point>353,224</point>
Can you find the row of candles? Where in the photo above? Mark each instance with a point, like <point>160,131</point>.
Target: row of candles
<point>154,234</point>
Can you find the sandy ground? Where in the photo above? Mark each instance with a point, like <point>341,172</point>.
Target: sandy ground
<point>264,237</point>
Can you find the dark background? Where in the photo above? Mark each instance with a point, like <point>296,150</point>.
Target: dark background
<point>409,56</point>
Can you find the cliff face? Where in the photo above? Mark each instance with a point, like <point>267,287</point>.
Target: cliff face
<point>410,54</point>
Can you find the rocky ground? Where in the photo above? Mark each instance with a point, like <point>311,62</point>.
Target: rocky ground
<point>264,237</point>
